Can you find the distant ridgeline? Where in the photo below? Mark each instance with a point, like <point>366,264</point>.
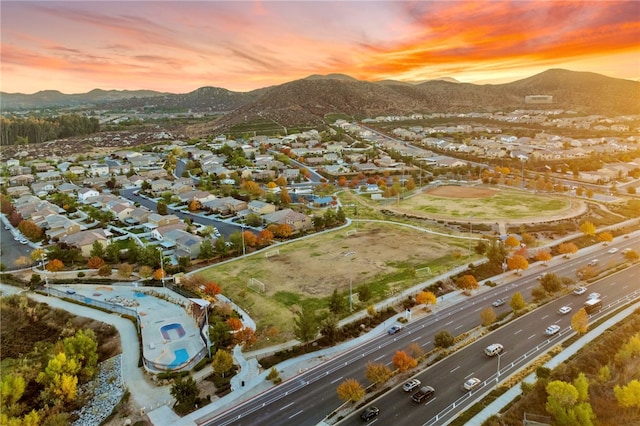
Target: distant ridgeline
<point>19,130</point>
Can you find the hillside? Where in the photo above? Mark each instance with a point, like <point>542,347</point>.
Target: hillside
<point>308,101</point>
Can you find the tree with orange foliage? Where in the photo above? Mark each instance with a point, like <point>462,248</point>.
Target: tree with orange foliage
<point>212,289</point>
<point>234,323</point>
<point>95,262</point>
<point>467,282</point>
<point>280,230</point>
<point>342,181</point>
<point>159,274</point>
<point>403,361</point>
<point>350,391</point>
<point>517,262</point>
<point>512,241</point>
<point>426,298</point>
<point>605,237</point>
<point>285,198</point>
<point>252,188</point>
<point>543,256</point>
<point>55,265</point>
<point>30,230</point>
<point>195,205</point>
<point>246,337</point>
<point>281,181</point>
<point>567,248</point>
<point>265,237</point>
<point>250,239</point>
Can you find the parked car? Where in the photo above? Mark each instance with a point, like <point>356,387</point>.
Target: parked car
<point>612,250</point>
<point>493,349</point>
<point>471,384</point>
<point>580,290</point>
<point>564,310</point>
<point>499,302</point>
<point>552,329</point>
<point>411,385</point>
<point>370,413</point>
<point>394,329</point>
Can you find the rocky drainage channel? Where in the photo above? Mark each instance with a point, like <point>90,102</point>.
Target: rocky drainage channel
<point>102,393</point>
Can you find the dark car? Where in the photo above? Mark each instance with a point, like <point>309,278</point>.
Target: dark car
<point>424,393</point>
<point>394,329</point>
<point>370,413</point>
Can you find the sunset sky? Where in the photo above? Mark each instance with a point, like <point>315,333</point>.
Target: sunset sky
<point>177,47</point>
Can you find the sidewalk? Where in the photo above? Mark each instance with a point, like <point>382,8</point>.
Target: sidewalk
<point>567,353</point>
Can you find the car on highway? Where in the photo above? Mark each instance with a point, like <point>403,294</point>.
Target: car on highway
<point>580,290</point>
<point>593,262</point>
<point>594,296</point>
<point>471,384</point>
<point>625,251</point>
<point>612,250</point>
<point>493,349</point>
<point>552,329</point>
<point>411,385</point>
<point>564,310</point>
<point>499,302</point>
<point>394,329</point>
<point>370,413</point>
<point>423,394</point>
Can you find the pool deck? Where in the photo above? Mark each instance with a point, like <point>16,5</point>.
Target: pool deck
<point>156,307</point>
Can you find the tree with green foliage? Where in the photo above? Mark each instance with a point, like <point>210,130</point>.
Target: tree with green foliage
<point>185,391</point>
<point>305,324</point>
<point>568,405</point>
<point>551,283</point>
<point>517,302</point>
<point>83,347</point>
<point>443,339</point>
<point>222,362</point>
<point>206,250</point>
<point>329,328</point>
<point>364,292</point>
<point>161,207</point>
<point>97,250</point>
<point>336,303</point>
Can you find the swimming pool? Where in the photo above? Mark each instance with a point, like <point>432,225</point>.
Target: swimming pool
<point>182,356</point>
<point>172,331</point>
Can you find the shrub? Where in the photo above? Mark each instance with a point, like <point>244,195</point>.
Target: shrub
<point>81,274</point>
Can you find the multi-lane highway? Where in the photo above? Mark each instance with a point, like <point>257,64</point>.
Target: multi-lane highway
<point>309,397</point>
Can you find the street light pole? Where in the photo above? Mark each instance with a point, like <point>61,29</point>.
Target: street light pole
<point>162,267</point>
<point>470,233</point>
<point>350,295</point>
<point>498,372</point>
<point>46,277</point>
<point>243,249</point>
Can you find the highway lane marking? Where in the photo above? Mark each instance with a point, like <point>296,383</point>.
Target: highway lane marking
<point>292,416</point>
<point>532,336</point>
<point>451,371</point>
<point>460,326</point>
<point>429,402</point>
<point>544,317</point>
<point>381,356</point>
<point>469,375</point>
<point>478,309</point>
<point>612,284</point>
<point>517,331</point>
<point>287,406</point>
<point>624,287</point>
<point>530,287</point>
<point>450,322</point>
<point>338,379</point>
<point>417,338</point>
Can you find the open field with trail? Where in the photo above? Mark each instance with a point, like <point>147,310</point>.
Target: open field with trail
<point>387,257</point>
<point>459,202</point>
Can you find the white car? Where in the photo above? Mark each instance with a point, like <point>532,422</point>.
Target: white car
<point>471,384</point>
<point>411,385</point>
<point>580,290</point>
<point>564,310</point>
<point>612,250</point>
<point>594,296</point>
<point>552,329</point>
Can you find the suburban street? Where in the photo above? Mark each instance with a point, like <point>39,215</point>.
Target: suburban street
<point>310,396</point>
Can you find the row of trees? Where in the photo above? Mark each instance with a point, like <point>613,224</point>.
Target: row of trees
<point>16,130</point>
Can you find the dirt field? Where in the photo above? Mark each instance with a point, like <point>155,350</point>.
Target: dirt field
<point>309,270</point>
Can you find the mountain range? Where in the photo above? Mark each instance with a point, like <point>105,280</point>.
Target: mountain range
<point>309,100</point>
